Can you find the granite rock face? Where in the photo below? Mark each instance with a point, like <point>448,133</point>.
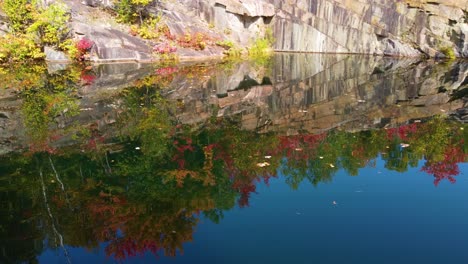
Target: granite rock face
<point>240,21</point>
<point>383,27</point>
<point>53,55</point>
<point>113,41</point>
<point>406,28</point>
<point>95,3</point>
<point>395,28</point>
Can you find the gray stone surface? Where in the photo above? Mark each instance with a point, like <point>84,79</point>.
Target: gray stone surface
<point>95,3</point>
<point>4,28</point>
<point>54,55</point>
<point>249,8</point>
<point>385,27</point>
<point>113,45</point>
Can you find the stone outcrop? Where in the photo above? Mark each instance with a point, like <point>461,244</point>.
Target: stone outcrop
<point>383,27</point>
<point>4,28</point>
<point>406,28</point>
<point>113,42</point>
<point>113,45</point>
<point>53,55</point>
<point>240,21</point>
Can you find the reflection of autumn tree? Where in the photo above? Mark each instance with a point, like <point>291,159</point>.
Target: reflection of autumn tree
<point>239,153</point>
<point>448,167</point>
<point>133,214</point>
<point>22,77</point>
<point>318,157</point>
<point>20,235</point>
<point>145,117</point>
<point>133,228</point>
<point>431,139</point>
<point>49,101</point>
<point>439,142</point>
<point>299,164</point>
<point>399,159</point>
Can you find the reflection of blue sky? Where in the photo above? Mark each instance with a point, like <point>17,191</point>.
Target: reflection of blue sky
<point>381,216</point>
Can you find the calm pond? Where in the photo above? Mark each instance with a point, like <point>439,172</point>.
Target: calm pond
<point>295,159</point>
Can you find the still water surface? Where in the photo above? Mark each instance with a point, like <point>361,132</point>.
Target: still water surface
<point>301,159</point>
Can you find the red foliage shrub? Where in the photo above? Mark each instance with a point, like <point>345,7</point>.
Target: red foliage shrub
<point>84,45</point>
<point>164,48</point>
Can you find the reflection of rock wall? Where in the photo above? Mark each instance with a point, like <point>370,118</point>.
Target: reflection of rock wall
<point>294,93</point>
<point>11,132</point>
<point>318,92</point>
<point>115,76</point>
<point>364,95</point>
<point>96,105</point>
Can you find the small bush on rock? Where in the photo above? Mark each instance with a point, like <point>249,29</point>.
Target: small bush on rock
<point>33,27</point>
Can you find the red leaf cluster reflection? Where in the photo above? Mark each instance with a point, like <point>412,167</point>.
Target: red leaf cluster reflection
<point>126,247</point>
<point>180,148</point>
<point>402,132</point>
<point>293,146</point>
<point>448,167</point>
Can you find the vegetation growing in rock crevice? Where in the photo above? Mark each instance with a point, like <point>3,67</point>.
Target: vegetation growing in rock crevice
<point>230,49</point>
<point>448,52</point>
<point>262,47</point>
<point>259,51</point>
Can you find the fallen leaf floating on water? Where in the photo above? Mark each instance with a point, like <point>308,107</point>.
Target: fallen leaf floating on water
<point>263,164</point>
<point>404,145</point>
